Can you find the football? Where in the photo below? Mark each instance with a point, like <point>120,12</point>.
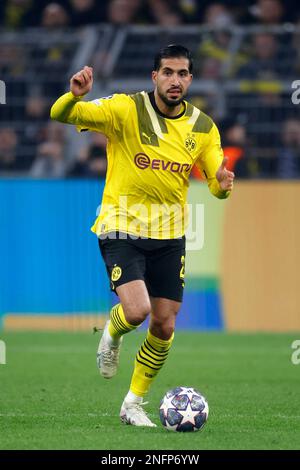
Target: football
<point>183,409</point>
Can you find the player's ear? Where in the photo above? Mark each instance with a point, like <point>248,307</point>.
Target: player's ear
<point>154,76</point>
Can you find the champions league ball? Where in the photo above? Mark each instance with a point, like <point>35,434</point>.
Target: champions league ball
<point>183,409</point>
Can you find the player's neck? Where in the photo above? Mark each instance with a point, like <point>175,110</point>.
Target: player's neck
<point>170,111</point>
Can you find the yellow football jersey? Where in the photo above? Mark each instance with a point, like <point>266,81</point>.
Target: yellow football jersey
<point>149,160</point>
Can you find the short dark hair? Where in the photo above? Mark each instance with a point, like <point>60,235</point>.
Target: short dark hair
<point>173,50</point>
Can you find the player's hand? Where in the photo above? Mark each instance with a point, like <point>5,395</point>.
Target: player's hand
<point>224,176</point>
<point>82,82</point>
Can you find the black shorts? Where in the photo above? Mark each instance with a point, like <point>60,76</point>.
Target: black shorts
<point>160,263</point>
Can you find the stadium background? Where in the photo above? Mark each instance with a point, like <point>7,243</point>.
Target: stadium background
<point>240,287</point>
<point>246,59</point>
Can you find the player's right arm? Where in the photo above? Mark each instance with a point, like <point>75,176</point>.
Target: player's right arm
<point>106,116</point>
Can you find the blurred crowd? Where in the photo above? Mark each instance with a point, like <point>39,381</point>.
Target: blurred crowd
<point>43,13</point>
<point>260,126</point>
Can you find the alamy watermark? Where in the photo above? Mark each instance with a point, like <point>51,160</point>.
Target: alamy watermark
<point>2,92</point>
<point>295,358</point>
<point>296,93</point>
<point>2,352</point>
<point>152,221</point>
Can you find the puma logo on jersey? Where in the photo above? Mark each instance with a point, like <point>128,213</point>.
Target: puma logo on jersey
<point>147,136</point>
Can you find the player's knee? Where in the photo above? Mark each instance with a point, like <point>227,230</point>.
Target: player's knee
<point>136,313</point>
<point>163,329</point>
<point>167,332</point>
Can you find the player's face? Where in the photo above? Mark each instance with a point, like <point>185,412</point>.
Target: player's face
<point>172,80</point>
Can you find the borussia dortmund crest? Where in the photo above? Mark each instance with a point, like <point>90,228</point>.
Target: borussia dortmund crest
<point>190,143</point>
<point>116,273</point>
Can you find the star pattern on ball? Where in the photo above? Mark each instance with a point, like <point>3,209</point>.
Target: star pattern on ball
<point>183,409</point>
<point>189,415</point>
<point>167,404</point>
<point>171,427</point>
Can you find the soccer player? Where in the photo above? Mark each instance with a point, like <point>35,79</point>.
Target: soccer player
<point>154,139</point>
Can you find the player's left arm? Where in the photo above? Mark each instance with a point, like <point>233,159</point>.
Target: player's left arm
<point>212,164</point>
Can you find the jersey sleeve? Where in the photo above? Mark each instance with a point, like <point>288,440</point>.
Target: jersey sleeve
<point>106,115</point>
<point>209,161</point>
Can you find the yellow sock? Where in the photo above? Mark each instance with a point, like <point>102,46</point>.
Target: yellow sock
<point>148,362</point>
<point>118,324</point>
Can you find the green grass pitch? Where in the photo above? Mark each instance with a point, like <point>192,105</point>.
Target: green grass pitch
<point>52,396</point>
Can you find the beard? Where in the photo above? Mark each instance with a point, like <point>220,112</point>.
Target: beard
<point>168,102</point>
